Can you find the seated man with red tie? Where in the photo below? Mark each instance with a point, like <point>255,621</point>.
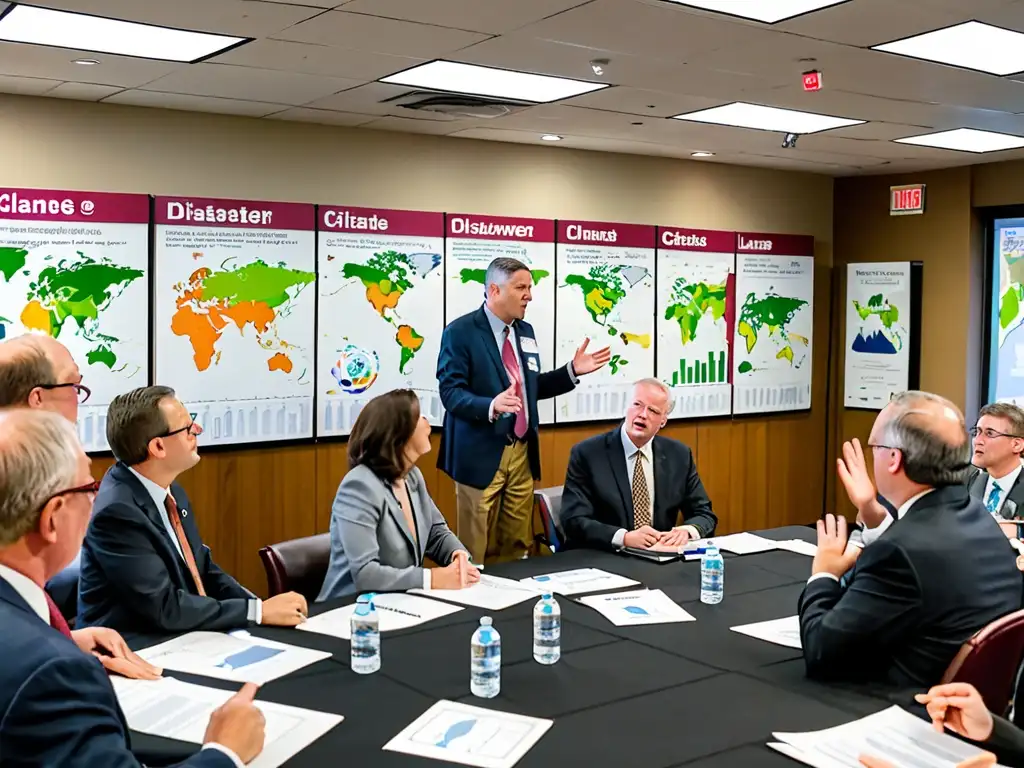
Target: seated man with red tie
<point>145,569</point>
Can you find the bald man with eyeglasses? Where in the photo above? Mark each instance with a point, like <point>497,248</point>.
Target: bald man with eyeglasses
<point>37,371</point>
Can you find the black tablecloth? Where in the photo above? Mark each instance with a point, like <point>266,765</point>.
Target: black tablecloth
<point>655,696</point>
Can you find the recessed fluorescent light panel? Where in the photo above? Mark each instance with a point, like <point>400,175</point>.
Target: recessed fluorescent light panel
<point>742,115</point>
<point>768,11</point>
<point>971,45</point>
<point>80,31</point>
<point>966,140</point>
<point>487,81</point>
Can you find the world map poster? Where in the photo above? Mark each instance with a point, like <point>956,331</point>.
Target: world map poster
<point>234,305</point>
<point>877,333</point>
<point>75,266</point>
<point>473,242</point>
<point>1006,354</point>
<point>696,314</point>
<point>774,323</point>
<point>605,293</point>
<point>380,311</point>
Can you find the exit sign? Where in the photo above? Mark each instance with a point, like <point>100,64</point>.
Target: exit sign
<point>906,200</point>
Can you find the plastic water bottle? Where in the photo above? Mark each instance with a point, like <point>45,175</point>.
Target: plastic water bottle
<point>547,630</point>
<point>712,576</point>
<point>365,637</point>
<point>485,661</point>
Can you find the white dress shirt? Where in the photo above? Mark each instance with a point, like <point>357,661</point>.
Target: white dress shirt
<point>159,496</point>
<point>1005,484</point>
<point>33,594</point>
<point>878,531</point>
<point>632,455</point>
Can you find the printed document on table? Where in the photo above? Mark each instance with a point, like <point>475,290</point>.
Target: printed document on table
<point>579,581</point>
<point>798,546</point>
<point>492,593</point>
<point>177,710</point>
<point>893,734</point>
<point>237,656</point>
<point>742,543</point>
<point>394,611</point>
<point>644,606</point>
<point>459,733</point>
<point>779,631</point>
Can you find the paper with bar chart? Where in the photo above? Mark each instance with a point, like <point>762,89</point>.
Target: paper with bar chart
<point>696,292</point>
<point>75,266</point>
<point>380,314</point>
<point>774,333</point>
<point>606,294</point>
<point>234,315</point>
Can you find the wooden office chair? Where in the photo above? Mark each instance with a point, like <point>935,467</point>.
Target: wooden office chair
<point>549,502</point>
<point>989,661</point>
<point>299,565</point>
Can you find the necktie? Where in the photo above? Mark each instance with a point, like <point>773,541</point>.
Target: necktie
<point>56,617</point>
<point>515,375</point>
<point>641,494</point>
<point>992,503</point>
<point>186,551</point>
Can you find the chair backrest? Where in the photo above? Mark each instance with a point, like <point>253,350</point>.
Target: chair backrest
<point>989,661</point>
<point>549,500</point>
<point>299,565</point>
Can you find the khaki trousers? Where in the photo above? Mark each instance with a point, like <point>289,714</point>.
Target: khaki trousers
<point>495,523</point>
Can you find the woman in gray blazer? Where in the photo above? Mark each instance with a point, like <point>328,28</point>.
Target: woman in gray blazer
<point>383,521</point>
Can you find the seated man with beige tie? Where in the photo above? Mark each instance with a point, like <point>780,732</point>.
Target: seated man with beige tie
<point>608,504</point>
<point>145,568</point>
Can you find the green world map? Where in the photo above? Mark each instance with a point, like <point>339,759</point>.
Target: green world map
<point>689,302</point>
<point>775,313</point>
<point>79,289</point>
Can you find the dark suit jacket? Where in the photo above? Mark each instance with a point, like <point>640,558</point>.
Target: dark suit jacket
<point>978,481</point>
<point>133,579</point>
<point>470,375</point>
<point>929,582</point>
<point>597,499</point>
<point>1007,741</point>
<point>57,706</point>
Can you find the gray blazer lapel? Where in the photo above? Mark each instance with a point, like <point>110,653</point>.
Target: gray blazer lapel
<point>977,485</point>
<point>398,517</point>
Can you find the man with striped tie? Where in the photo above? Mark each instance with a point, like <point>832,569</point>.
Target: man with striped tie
<point>998,447</point>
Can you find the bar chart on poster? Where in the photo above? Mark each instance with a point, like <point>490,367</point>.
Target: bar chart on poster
<point>695,314</point>
<point>605,294</point>
<point>379,311</point>
<point>74,266</point>
<point>234,315</point>
<point>472,243</point>
<point>774,323</point>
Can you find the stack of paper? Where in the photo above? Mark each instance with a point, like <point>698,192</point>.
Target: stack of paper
<point>238,656</point>
<point>492,593</point>
<point>892,735</point>
<point>394,611</point>
<point>579,581</point>
<point>176,710</point>
<point>779,631</point>
<point>644,606</point>
<point>742,543</point>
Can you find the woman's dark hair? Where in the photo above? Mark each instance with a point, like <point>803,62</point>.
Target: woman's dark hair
<point>381,432</point>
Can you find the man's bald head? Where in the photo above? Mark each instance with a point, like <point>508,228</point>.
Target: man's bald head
<point>31,366</point>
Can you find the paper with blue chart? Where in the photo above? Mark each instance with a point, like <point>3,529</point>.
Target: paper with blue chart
<point>237,656</point>
<point>643,606</point>
<point>395,611</point>
<point>459,733</point>
<point>778,631</point>
<point>579,581</point>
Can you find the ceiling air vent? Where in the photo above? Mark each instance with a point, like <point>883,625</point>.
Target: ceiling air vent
<point>456,105</point>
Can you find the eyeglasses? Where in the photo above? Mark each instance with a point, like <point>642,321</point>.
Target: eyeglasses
<point>90,489</point>
<point>884,447</point>
<point>989,433</point>
<point>81,391</point>
<point>191,428</point>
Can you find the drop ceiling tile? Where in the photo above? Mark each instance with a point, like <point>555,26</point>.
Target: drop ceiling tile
<point>187,103</point>
<point>316,59</point>
<point>365,99</point>
<point>322,116</point>
<point>641,102</point>
<point>371,33</point>
<point>324,5</point>
<point>26,86</point>
<point>870,22</point>
<point>248,84</point>
<point>405,125</point>
<point>490,16</point>
<point>56,64</point>
<point>83,91</point>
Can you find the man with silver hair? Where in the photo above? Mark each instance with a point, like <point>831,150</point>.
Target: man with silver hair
<point>57,706</point>
<point>628,487</point>
<point>937,574</point>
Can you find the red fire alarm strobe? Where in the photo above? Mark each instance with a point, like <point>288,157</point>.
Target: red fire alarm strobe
<point>906,199</point>
<point>812,80</point>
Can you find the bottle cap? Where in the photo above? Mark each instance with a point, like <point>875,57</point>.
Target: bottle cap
<point>485,621</point>
<point>546,596</point>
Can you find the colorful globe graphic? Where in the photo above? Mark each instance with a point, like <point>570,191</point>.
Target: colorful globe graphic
<point>356,369</point>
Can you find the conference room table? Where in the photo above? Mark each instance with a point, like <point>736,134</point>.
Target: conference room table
<point>694,693</point>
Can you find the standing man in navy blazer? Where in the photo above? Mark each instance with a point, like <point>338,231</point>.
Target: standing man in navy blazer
<point>488,372</point>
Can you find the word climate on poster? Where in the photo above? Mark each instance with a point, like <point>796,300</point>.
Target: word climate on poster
<point>75,266</point>
<point>380,313</point>
<point>234,315</point>
<point>473,242</point>
<point>606,294</point>
<point>774,323</point>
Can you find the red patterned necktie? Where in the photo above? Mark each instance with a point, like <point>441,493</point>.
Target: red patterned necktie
<point>56,617</point>
<point>186,551</point>
<point>515,374</point>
